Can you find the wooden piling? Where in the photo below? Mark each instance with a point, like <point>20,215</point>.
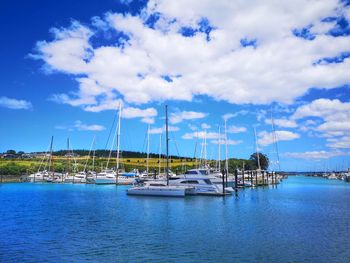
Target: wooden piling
<point>236,178</point>
<point>223,181</point>
<point>256,178</point>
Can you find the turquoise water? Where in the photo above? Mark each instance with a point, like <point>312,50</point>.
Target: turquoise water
<point>302,220</point>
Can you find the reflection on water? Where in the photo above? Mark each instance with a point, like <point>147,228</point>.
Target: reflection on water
<point>302,220</point>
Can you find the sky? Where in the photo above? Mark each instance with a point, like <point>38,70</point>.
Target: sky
<point>281,67</point>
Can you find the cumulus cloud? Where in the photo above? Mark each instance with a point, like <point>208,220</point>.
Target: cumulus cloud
<point>236,129</point>
<point>228,116</point>
<point>266,138</point>
<point>85,127</point>
<point>159,130</point>
<point>284,123</point>
<point>315,154</point>
<point>15,104</point>
<point>205,126</point>
<point>186,115</point>
<point>80,126</point>
<point>335,115</point>
<point>239,51</point>
<point>202,135</point>
<point>229,142</point>
<point>343,142</point>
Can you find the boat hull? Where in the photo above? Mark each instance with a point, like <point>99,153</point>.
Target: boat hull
<point>157,191</point>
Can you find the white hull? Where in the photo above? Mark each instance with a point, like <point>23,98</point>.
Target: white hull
<point>105,180</point>
<point>157,191</point>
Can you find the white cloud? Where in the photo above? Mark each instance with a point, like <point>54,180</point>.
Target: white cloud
<point>228,116</point>
<point>15,104</point>
<point>185,115</point>
<point>148,120</point>
<point>334,113</point>
<point>131,112</point>
<point>85,127</point>
<point>284,123</point>
<point>236,129</point>
<point>157,64</point>
<point>229,142</point>
<point>315,154</point>
<point>205,126</point>
<point>266,138</point>
<point>80,126</point>
<point>343,142</point>
<point>202,135</point>
<point>159,130</point>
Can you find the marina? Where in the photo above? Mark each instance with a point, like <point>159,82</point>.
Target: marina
<point>51,222</point>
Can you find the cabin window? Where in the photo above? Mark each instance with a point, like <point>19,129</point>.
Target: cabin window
<point>191,172</point>
<point>205,172</point>
<point>189,182</point>
<point>207,181</point>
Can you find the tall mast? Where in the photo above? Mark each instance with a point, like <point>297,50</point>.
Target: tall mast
<point>50,160</point>
<point>257,149</point>
<point>226,148</point>
<point>68,160</point>
<point>275,141</point>
<point>87,160</point>
<point>167,144</point>
<point>205,148</point>
<point>110,151</point>
<point>160,153</point>
<point>147,161</point>
<point>118,136</point>
<point>219,151</point>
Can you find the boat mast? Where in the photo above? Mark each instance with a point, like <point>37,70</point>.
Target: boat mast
<point>147,161</point>
<point>219,151</point>
<point>50,159</point>
<point>274,136</point>
<point>160,153</point>
<point>257,149</point>
<point>110,151</point>
<point>118,137</point>
<point>205,148</point>
<point>87,160</point>
<point>167,144</point>
<point>68,160</point>
<point>226,148</point>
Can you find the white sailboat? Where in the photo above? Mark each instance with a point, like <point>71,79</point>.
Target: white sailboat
<point>160,188</point>
<point>110,176</point>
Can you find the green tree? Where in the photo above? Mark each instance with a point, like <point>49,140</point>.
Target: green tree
<point>264,160</point>
<point>11,152</point>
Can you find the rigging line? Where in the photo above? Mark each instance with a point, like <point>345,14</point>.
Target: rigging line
<point>110,130</point>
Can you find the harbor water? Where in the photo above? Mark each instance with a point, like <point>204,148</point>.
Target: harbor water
<point>303,219</point>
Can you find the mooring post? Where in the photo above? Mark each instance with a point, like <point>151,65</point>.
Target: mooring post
<point>251,177</point>
<point>256,178</point>
<point>263,177</point>
<point>223,181</point>
<point>236,178</point>
<point>226,178</point>
<point>243,177</point>
<point>154,174</point>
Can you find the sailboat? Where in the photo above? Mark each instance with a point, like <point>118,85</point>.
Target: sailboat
<point>43,175</point>
<point>110,176</point>
<point>160,188</point>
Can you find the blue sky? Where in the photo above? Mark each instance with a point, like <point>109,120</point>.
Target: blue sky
<point>67,66</point>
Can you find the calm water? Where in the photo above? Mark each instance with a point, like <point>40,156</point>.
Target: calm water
<point>303,220</point>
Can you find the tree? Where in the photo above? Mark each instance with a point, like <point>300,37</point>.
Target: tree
<point>264,160</point>
<point>11,152</point>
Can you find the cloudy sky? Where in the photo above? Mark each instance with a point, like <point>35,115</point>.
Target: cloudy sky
<point>67,66</point>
